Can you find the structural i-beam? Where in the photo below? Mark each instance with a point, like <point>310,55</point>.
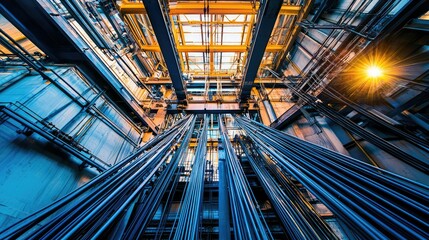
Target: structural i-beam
<point>213,48</point>
<point>267,16</point>
<point>198,8</point>
<point>161,27</point>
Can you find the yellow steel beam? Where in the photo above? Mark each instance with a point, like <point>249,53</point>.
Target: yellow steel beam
<point>243,34</point>
<point>192,22</point>
<point>134,32</point>
<point>222,73</point>
<point>214,8</point>
<point>212,48</point>
<point>194,143</point>
<point>290,10</point>
<point>167,80</point>
<point>198,8</point>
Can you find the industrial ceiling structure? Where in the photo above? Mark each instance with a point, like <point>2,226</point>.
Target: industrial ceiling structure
<point>185,119</point>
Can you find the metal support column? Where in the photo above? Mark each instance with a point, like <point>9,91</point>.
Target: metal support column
<point>267,17</point>
<point>161,27</point>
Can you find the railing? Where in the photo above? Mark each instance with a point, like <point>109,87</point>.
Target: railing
<point>35,123</point>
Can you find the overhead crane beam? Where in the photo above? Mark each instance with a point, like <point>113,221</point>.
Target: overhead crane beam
<point>166,42</point>
<point>199,82</point>
<point>212,48</point>
<point>267,17</point>
<point>198,8</point>
<point>209,108</point>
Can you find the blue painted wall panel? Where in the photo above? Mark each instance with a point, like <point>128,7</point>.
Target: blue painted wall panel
<point>33,171</point>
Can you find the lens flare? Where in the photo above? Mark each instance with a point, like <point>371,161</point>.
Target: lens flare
<point>374,72</point>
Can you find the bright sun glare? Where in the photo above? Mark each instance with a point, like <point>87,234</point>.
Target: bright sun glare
<point>374,72</point>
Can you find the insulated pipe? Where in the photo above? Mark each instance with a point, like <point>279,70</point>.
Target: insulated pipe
<point>67,221</point>
<point>270,111</point>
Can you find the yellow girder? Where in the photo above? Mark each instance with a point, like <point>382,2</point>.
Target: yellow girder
<point>198,8</point>
<point>212,48</point>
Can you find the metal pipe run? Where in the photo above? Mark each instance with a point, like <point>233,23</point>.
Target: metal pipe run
<point>224,225</point>
<point>362,132</point>
<point>88,211</point>
<point>145,207</point>
<point>373,202</point>
<point>298,216</point>
<point>191,207</point>
<point>419,142</point>
<point>247,222</point>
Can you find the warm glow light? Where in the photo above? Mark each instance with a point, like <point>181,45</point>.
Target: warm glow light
<point>374,72</point>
